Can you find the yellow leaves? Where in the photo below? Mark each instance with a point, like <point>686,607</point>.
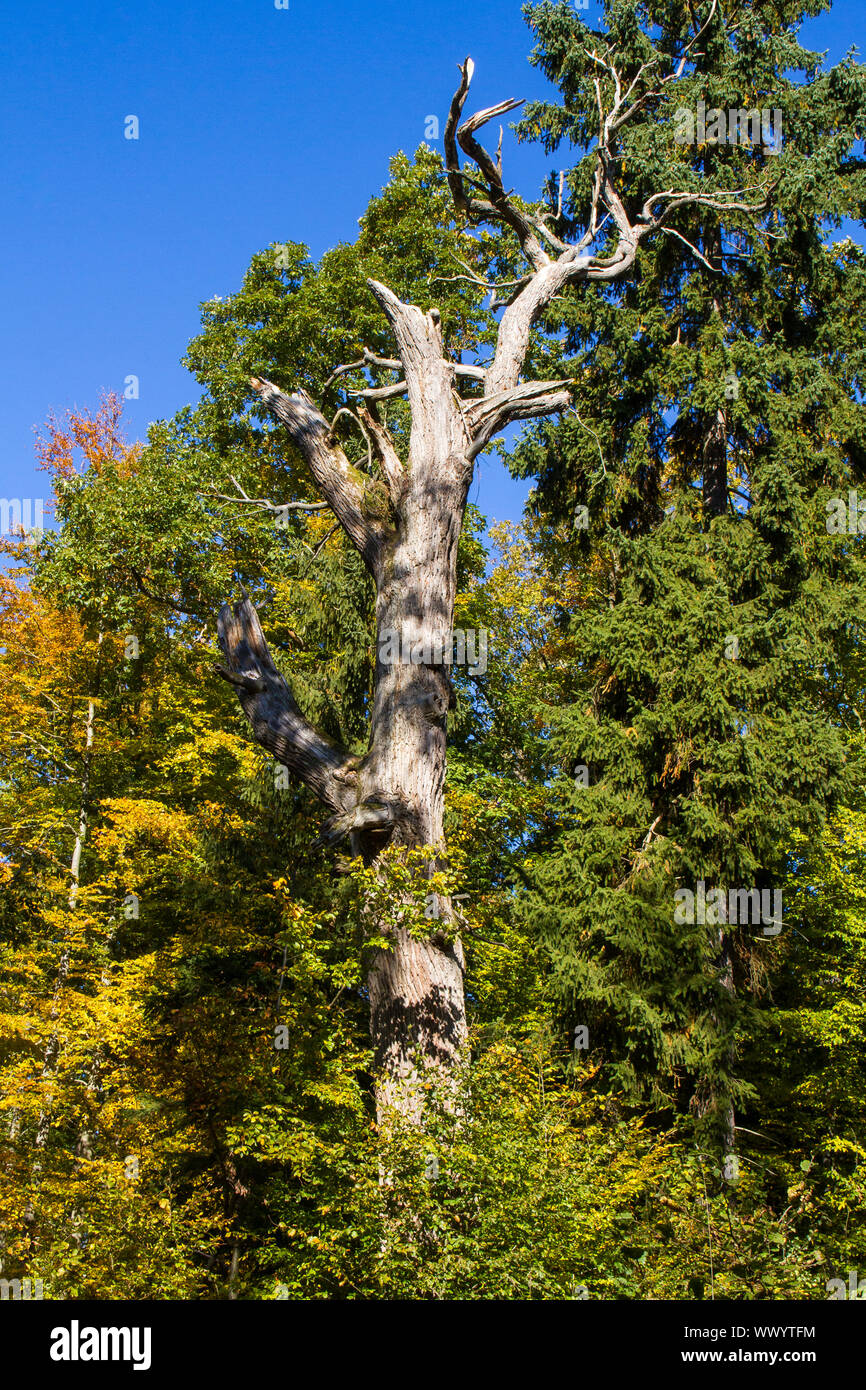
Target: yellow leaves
<point>836,1144</point>
<point>293,911</point>
<point>40,649</point>
<point>195,749</point>
<point>305,923</point>
<point>130,819</point>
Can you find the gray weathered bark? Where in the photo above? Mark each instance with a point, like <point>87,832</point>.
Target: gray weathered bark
<point>394,794</point>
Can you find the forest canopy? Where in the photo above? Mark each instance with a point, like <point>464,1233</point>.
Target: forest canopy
<point>340,964</point>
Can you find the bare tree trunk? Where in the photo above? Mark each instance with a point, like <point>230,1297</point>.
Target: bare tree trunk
<point>417,1011</point>
<point>394,795</point>
<point>406,528</point>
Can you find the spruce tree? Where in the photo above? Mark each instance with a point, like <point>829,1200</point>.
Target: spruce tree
<point>717,425</point>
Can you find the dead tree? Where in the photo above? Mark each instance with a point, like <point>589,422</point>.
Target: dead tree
<point>394,794</point>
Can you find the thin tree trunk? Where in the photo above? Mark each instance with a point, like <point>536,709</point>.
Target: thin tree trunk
<point>715,464</point>
<point>715,441</point>
<point>712,1102</point>
<point>49,1061</point>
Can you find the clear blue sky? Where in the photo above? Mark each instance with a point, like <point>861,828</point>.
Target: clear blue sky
<point>256,125</point>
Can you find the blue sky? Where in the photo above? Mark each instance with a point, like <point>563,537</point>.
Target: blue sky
<point>256,125</point>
